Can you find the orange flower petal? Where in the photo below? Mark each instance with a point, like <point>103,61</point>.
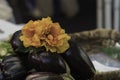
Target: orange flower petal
<point>45,33</point>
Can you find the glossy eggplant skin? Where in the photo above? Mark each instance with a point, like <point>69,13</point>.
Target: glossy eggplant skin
<point>15,41</point>
<point>80,65</point>
<point>47,62</point>
<point>1,76</point>
<point>17,45</point>
<point>12,68</point>
<point>44,76</point>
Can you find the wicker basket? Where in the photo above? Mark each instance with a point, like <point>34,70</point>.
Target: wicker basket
<point>92,41</point>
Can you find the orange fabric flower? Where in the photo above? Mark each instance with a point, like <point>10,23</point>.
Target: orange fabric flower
<point>45,33</point>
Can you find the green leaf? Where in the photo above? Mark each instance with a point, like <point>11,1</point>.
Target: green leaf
<point>112,51</point>
<point>5,49</point>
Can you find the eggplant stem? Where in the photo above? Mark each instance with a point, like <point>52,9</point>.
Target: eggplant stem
<point>67,74</point>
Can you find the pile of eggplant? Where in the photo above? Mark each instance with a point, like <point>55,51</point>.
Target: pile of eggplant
<point>74,64</point>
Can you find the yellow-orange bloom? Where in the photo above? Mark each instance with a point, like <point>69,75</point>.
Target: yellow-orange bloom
<point>45,33</point>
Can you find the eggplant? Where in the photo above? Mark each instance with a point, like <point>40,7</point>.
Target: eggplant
<point>15,41</point>
<point>47,62</point>
<point>44,76</point>
<point>12,68</point>
<point>79,62</point>
<point>17,44</point>
<point>1,76</point>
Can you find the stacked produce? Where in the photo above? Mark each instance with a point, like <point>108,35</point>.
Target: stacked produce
<point>43,51</point>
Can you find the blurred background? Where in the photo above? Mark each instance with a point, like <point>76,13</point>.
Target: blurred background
<point>73,15</point>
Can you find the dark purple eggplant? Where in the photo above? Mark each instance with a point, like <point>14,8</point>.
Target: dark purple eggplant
<point>13,69</point>
<point>44,76</point>
<point>15,41</point>
<point>1,76</point>
<point>17,45</point>
<point>79,62</point>
<point>47,62</point>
